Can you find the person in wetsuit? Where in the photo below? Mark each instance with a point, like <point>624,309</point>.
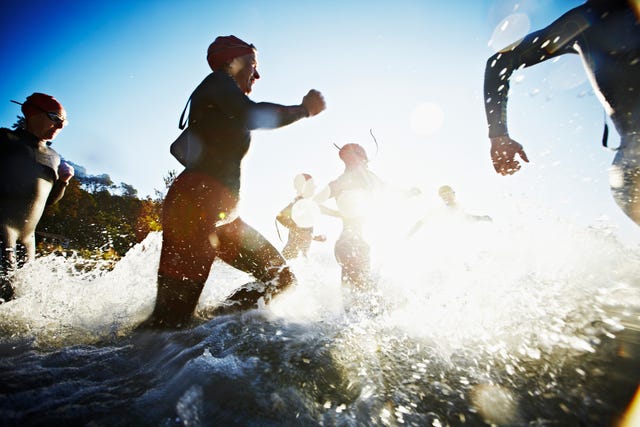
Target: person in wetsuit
<point>606,35</point>
<point>448,197</point>
<point>300,235</point>
<point>32,176</point>
<point>352,190</point>
<point>199,219</point>
<point>452,210</point>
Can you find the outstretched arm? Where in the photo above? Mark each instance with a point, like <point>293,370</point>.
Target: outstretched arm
<point>539,46</point>
<point>265,115</point>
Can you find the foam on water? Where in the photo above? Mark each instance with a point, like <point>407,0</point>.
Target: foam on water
<point>465,317</point>
<point>454,283</point>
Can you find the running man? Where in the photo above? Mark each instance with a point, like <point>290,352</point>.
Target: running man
<point>31,178</point>
<point>200,222</point>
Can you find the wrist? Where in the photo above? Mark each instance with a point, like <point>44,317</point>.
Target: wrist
<point>499,138</point>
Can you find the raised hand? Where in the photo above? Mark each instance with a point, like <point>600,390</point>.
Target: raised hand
<point>314,102</point>
<point>65,171</point>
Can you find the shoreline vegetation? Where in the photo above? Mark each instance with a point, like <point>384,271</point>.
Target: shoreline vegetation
<point>98,221</point>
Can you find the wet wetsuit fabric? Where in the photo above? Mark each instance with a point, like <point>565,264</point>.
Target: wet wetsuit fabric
<point>299,238</point>
<point>23,161</point>
<point>606,35</point>
<point>19,152</point>
<point>199,218</point>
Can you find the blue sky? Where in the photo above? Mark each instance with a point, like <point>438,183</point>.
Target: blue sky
<point>124,70</point>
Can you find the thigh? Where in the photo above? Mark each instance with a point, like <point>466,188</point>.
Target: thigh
<point>352,251</point>
<point>193,206</point>
<point>624,179</point>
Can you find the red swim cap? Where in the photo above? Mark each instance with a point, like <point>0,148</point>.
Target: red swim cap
<point>355,149</point>
<point>225,48</point>
<point>38,103</point>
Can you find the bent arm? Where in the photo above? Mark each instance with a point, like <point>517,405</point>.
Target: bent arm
<point>57,192</point>
<point>313,103</point>
<point>539,46</point>
<point>265,115</point>
<point>65,173</point>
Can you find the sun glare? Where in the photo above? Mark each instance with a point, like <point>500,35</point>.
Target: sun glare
<point>427,118</point>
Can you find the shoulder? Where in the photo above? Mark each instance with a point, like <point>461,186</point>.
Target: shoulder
<point>217,79</point>
<point>7,134</point>
<point>15,139</point>
<point>217,86</point>
<point>53,153</point>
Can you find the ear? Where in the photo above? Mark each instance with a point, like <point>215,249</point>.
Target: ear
<point>235,65</point>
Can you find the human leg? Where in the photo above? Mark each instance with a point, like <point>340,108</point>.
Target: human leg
<point>182,274</point>
<point>290,250</point>
<point>624,179</point>
<point>7,263</point>
<point>246,249</point>
<point>188,248</point>
<point>353,256</point>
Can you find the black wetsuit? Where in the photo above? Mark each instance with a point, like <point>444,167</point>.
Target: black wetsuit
<point>606,34</point>
<point>25,163</point>
<point>199,213</point>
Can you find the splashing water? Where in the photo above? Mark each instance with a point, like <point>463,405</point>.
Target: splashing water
<point>472,323</point>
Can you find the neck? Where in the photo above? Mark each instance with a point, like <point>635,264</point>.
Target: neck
<point>37,139</point>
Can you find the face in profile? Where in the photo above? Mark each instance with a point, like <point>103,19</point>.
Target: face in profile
<point>45,126</point>
<point>244,70</point>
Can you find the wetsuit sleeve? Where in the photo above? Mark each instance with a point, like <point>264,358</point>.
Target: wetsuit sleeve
<point>259,115</point>
<point>552,41</point>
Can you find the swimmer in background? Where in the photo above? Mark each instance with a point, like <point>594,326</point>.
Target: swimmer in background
<point>32,176</point>
<point>451,210</point>
<point>297,218</point>
<point>357,182</point>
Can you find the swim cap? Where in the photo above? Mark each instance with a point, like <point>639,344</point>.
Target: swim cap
<point>354,149</point>
<point>445,189</point>
<point>304,185</point>
<point>38,103</point>
<point>224,49</point>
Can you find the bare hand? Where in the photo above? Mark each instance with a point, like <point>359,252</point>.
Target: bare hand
<point>313,102</point>
<point>503,155</point>
<point>65,171</point>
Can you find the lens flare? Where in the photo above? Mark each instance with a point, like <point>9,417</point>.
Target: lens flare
<point>305,213</point>
<point>510,30</point>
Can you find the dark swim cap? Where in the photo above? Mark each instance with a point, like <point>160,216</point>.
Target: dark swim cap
<point>224,49</point>
<point>38,103</point>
